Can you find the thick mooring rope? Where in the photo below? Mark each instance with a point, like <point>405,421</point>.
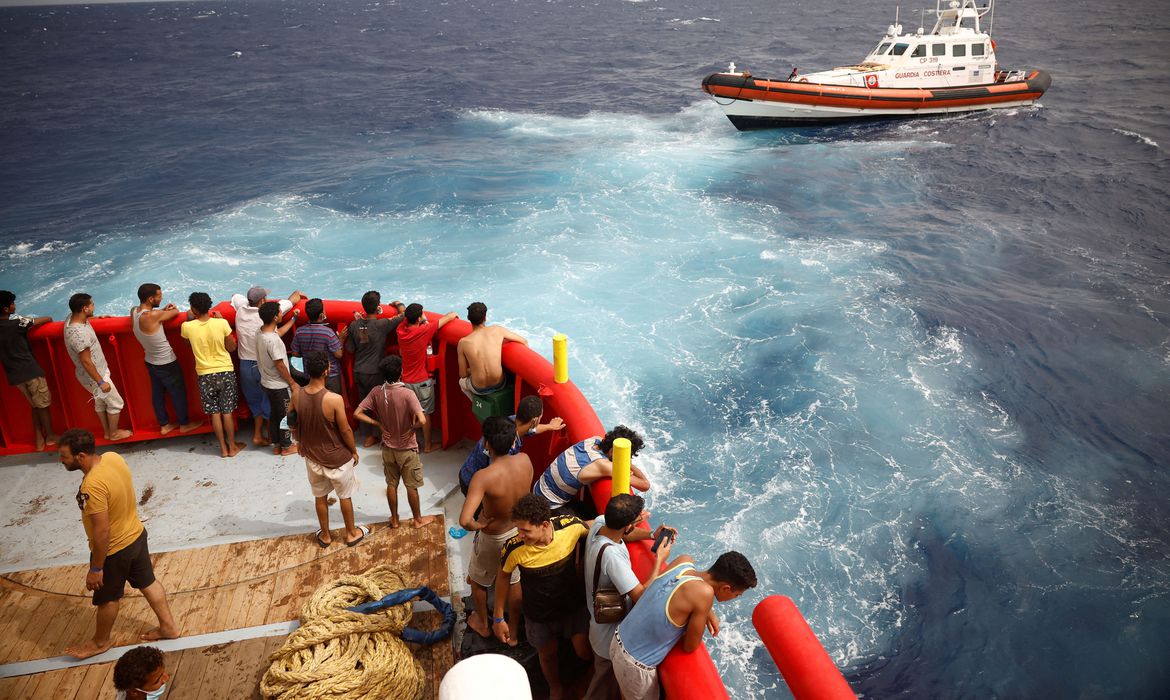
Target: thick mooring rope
<point>337,654</point>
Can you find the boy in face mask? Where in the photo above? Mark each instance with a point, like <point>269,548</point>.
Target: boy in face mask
<point>140,675</point>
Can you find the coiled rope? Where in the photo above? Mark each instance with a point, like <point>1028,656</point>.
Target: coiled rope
<point>340,654</point>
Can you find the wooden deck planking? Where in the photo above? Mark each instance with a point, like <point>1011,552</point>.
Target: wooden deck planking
<point>211,589</point>
<point>218,672</point>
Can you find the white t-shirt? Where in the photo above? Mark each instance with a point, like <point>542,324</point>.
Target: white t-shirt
<point>248,324</point>
<point>616,572</point>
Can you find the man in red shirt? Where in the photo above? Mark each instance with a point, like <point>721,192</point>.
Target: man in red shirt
<point>414,338</point>
<point>396,411</point>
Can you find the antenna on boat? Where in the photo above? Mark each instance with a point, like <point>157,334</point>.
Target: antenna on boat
<point>921,21</point>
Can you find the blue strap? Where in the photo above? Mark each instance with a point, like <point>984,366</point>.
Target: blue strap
<point>409,634</point>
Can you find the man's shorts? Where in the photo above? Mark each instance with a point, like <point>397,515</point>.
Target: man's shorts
<point>425,391</point>
<point>566,626</point>
<point>131,563</point>
<point>404,465</point>
<point>218,392</point>
<point>36,390</point>
<point>637,680</point>
<point>485,558</point>
<point>343,480</point>
<point>107,401</point>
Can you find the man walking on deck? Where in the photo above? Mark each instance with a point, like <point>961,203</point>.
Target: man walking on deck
<point>211,343</point>
<point>117,541</point>
<point>487,511</point>
<point>23,370</point>
<point>414,339</point>
<point>92,371</point>
<point>481,369</point>
<point>275,378</point>
<point>367,341</point>
<point>395,411</point>
<point>247,328</point>
<point>316,336</point>
<point>326,443</point>
<point>649,631</point>
<point>166,375</point>
<point>584,463</point>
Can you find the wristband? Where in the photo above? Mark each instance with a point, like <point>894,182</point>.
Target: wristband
<point>92,570</point>
<point>497,620</point>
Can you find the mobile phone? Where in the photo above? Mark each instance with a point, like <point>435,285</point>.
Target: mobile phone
<point>663,534</point>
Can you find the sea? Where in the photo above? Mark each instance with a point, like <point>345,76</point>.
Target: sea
<point>918,371</point>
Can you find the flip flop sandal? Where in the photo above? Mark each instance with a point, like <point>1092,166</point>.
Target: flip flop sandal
<point>365,531</point>
<point>322,543</point>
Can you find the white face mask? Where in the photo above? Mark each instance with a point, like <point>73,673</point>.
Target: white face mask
<point>154,694</point>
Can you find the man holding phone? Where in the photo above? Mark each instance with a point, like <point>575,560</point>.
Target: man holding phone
<point>606,550</point>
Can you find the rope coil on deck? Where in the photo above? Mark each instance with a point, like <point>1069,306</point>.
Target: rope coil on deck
<point>344,655</point>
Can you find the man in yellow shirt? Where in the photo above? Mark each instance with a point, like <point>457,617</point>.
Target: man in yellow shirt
<point>544,549</point>
<point>117,541</point>
<point>212,344</point>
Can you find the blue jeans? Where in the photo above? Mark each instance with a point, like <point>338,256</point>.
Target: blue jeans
<point>253,392</point>
<point>168,379</point>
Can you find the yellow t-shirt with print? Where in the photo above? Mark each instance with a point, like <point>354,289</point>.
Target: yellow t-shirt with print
<point>206,337</point>
<point>108,488</point>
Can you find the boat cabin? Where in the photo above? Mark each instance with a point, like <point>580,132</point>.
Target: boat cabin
<point>955,52</point>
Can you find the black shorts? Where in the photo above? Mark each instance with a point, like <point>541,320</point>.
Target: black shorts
<point>129,564</point>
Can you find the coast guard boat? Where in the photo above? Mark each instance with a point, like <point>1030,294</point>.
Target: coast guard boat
<point>951,69</point>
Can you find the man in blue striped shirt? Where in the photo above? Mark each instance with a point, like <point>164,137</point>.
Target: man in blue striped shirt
<point>584,463</point>
<point>315,335</point>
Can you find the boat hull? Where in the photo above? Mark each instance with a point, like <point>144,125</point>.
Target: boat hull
<point>752,103</point>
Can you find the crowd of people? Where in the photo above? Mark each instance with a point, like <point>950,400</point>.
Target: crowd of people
<point>532,546</point>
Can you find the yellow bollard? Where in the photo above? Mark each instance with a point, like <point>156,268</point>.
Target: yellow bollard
<point>560,358</point>
<point>621,466</point>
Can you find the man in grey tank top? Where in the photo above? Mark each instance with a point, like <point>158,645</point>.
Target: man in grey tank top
<point>166,375</point>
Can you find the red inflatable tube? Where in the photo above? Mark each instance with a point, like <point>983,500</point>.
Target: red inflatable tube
<point>804,663</point>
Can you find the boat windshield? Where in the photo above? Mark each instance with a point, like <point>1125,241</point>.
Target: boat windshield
<point>882,49</point>
<point>900,49</point>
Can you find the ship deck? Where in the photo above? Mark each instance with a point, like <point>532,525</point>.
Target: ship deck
<point>232,543</point>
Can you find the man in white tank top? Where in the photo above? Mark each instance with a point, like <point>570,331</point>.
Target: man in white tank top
<point>166,375</point>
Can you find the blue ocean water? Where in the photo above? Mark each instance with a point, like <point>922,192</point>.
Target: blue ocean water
<point>918,371</point>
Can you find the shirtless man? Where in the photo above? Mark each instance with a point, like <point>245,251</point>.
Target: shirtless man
<point>166,376</point>
<point>497,488</point>
<point>481,371</point>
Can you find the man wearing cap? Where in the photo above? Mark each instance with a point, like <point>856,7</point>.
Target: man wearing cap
<point>248,325</point>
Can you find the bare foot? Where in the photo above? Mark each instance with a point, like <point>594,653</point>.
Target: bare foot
<point>236,448</point>
<point>169,427</point>
<point>423,522</point>
<point>261,442</point>
<point>120,435</point>
<point>290,450</point>
<point>153,635</point>
<point>188,427</point>
<point>394,521</point>
<point>90,648</point>
<point>51,441</point>
<point>371,440</point>
<point>430,449</point>
<point>478,625</point>
<point>40,442</point>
